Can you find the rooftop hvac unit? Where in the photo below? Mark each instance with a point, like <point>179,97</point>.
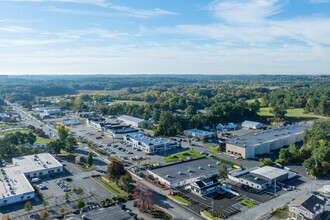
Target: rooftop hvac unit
<point>200,168</point>
<point>209,165</point>
<point>179,173</point>
<point>256,178</point>
<point>189,171</point>
<point>168,176</point>
<point>218,163</point>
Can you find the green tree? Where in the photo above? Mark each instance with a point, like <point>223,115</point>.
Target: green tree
<point>62,133</point>
<point>115,170</point>
<point>89,160</point>
<point>44,214</point>
<point>266,162</point>
<point>279,111</point>
<point>127,183</point>
<point>28,206</point>
<point>190,110</point>
<point>294,152</point>
<point>55,146</point>
<point>79,191</point>
<point>156,116</point>
<point>70,144</point>
<point>80,203</point>
<point>31,138</point>
<point>284,155</point>
<point>144,125</point>
<point>222,172</point>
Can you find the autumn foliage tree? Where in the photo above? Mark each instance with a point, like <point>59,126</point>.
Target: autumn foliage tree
<point>44,214</point>
<point>144,199</point>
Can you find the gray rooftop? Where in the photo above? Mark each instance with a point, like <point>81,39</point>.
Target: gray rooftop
<point>254,179</point>
<point>187,169</point>
<point>150,141</point>
<point>250,123</point>
<point>36,162</point>
<point>130,118</point>
<point>269,135</point>
<point>13,182</point>
<point>269,172</point>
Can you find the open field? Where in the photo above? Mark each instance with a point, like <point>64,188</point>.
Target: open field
<point>102,92</point>
<point>296,112</point>
<point>40,140</point>
<point>252,100</point>
<point>7,125</point>
<point>130,102</point>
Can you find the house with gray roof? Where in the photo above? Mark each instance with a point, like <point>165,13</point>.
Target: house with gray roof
<point>306,207</point>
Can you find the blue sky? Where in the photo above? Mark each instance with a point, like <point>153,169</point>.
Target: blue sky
<point>165,37</point>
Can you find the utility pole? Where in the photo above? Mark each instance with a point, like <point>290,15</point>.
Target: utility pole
<point>275,194</point>
<point>212,207</point>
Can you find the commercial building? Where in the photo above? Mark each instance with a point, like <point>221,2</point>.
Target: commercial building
<point>205,186</point>
<point>186,172</point>
<point>52,110</point>
<point>37,165</point>
<point>87,114</point>
<point>261,178</point>
<point>200,134</point>
<point>133,121</point>
<point>71,122</point>
<point>101,125</point>
<point>263,142</point>
<point>119,132</point>
<point>15,186</point>
<point>306,207</point>
<point>252,125</point>
<point>148,144</point>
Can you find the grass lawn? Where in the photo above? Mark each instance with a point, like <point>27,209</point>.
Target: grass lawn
<point>145,164</point>
<point>179,198</point>
<point>7,125</point>
<point>252,100</point>
<point>130,102</point>
<point>158,213</point>
<point>213,149</point>
<point>208,214</point>
<point>111,186</point>
<point>40,140</point>
<point>282,212</point>
<point>248,203</point>
<point>80,167</point>
<point>182,155</point>
<point>296,112</point>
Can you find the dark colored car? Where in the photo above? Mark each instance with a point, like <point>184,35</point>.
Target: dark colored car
<point>59,216</point>
<point>76,212</point>
<point>68,179</point>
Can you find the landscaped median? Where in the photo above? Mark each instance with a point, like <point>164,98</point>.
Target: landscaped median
<point>109,185</point>
<point>83,167</point>
<point>214,149</point>
<point>248,203</point>
<point>208,215</point>
<point>182,155</point>
<point>179,199</point>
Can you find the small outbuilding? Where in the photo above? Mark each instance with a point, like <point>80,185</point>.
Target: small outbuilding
<point>252,125</point>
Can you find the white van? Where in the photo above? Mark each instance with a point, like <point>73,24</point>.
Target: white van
<point>35,180</point>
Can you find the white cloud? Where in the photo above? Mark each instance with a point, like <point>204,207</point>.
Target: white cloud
<point>126,11</point>
<point>16,29</point>
<point>245,11</point>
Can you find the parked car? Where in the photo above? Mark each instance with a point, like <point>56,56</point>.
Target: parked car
<point>76,212</point>
<point>61,216</point>
<point>35,180</point>
<point>98,137</point>
<point>68,179</point>
<point>42,186</point>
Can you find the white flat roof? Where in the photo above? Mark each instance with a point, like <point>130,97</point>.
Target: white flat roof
<point>269,172</point>
<point>36,162</point>
<point>13,182</point>
<point>130,118</point>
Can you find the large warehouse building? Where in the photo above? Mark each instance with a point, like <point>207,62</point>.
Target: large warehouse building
<point>15,186</point>
<point>133,121</point>
<point>185,172</point>
<point>263,142</point>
